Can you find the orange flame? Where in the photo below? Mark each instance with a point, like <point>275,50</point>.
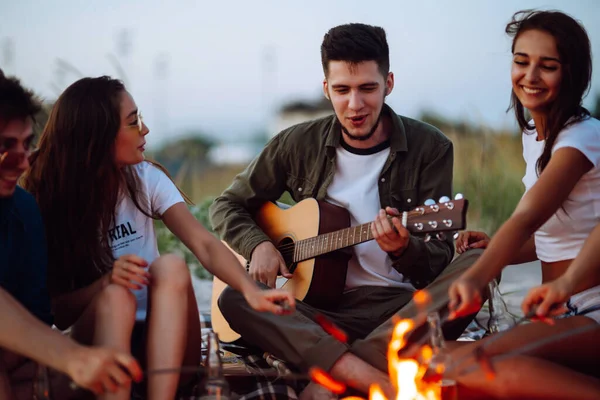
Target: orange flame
<point>406,375</point>
<point>422,297</point>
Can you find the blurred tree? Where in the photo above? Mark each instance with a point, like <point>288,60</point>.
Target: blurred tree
<point>447,125</point>
<point>41,118</point>
<point>173,155</point>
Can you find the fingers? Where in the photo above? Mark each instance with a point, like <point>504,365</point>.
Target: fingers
<point>392,211</point>
<point>381,227</point>
<point>391,236</point>
<point>285,272</point>
<point>532,299</point>
<point>109,385</point>
<point>280,301</point>
<point>266,274</point>
<point>552,305</point>
<point>264,269</point>
<point>276,301</point>
<point>482,244</point>
<point>465,299</point>
<point>471,240</point>
<point>130,271</point>
<point>123,275</point>
<point>132,268</point>
<point>118,375</point>
<point>544,308</point>
<point>271,281</point>
<point>130,365</point>
<point>134,259</point>
<point>124,281</point>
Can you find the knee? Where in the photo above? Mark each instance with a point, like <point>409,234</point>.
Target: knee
<point>229,302</point>
<point>116,301</point>
<point>170,272</point>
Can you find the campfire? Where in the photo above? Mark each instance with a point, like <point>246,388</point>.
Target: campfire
<point>415,378</point>
<point>406,374</point>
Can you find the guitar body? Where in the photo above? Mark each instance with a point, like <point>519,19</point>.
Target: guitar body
<point>318,281</point>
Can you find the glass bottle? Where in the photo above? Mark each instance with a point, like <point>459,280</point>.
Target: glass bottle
<point>500,318</point>
<point>440,359</point>
<point>214,386</point>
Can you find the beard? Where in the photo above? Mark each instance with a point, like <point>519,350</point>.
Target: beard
<point>368,135</point>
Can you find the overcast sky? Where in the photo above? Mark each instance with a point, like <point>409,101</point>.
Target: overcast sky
<point>223,67</point>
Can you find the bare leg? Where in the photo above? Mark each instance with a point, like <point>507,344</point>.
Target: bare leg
<point>173,324</point>
<point>574,352</point>
<point>108,321</point>
<point>544,372</point>
<point>523,377</point>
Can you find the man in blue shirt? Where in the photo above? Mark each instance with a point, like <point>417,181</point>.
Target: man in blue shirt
<point>24,301</point>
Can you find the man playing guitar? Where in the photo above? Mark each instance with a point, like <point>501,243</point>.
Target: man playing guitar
<point>375,164</point>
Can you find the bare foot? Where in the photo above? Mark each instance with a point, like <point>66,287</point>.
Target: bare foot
<point>316,392</point>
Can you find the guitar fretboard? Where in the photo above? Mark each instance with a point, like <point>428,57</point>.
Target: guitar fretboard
<point>328,242</point>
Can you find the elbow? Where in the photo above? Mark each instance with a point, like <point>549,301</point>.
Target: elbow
<point>527,222</point>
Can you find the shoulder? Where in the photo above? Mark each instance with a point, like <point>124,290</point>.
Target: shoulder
<point>582,135</point>
<point>26,207</point>
<point>146,168</point>
<point>24,201</point>
<point>149,172</point>
<point>587,128</point>
<point>312,131</point>
<point>424,133</point>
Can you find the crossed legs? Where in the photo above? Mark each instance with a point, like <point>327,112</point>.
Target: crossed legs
<point>173,324</point>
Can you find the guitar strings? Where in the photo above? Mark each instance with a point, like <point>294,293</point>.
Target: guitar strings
<point>289,248</point>
<point>315,238</point>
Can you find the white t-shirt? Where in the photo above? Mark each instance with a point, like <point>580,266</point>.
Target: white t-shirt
<point>133,232</point>
<point>355,188</point>
<point>562,236</point>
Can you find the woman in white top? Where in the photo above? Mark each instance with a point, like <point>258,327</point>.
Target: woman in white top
<point>551,73</point>
<point>99,199</point>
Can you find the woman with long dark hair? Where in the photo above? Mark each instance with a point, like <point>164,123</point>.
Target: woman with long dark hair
<point>99,198</point>
<point>551,73</point>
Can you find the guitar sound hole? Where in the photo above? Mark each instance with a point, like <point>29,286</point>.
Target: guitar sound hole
<point>287,247</point>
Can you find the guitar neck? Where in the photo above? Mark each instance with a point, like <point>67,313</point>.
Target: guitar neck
<point>425,219</point>
<point>328,242</point>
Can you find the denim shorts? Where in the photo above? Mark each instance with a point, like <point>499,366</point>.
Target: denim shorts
<point>586,303</point>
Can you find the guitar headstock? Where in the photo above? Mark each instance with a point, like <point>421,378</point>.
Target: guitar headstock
<point>445,215</point>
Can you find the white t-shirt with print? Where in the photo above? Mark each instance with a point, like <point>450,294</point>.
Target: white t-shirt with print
<point>133,232</point>
<point>562,236</point>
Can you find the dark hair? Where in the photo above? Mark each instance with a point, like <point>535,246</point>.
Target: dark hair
<point>355,43</point>
<point>16,102</point>
<point>573,46</point>
<point>77,183</point>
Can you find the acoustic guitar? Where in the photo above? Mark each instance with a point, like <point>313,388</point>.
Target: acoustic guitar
<point>311,236</point>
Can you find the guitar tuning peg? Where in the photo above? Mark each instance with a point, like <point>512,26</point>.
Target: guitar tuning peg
<point>427,238</point>
<point>441,236</point>
<point>459,196</point>
<point>455,236</point>
<point>429,202</point>
<point>444,199</point>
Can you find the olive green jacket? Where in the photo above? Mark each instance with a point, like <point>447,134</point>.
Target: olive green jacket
<point>301,161</point>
